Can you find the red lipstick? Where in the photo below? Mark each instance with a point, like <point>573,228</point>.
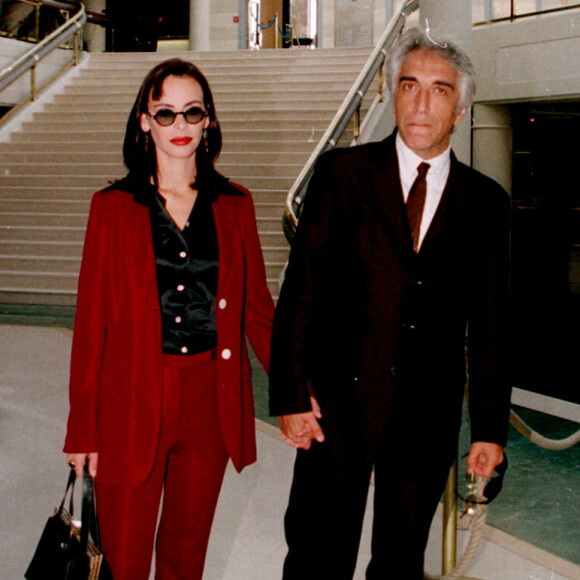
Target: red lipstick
<point>181,140</point>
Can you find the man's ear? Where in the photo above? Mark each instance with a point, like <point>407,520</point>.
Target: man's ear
<point>459,116</point>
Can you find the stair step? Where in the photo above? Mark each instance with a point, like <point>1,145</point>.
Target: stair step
<point>290,119</point>
<point>82,169</point>
<point>41,219</point>
<point>43,233</point>
<point>84,86</point>
<point>231,144</point>
<point>115,121</point>
<point>43,205</point>
<point>35,191</point>
<point>55,265</point>
<point>45,282</point>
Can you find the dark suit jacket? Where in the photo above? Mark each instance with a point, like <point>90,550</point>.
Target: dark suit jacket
<point>117,365</point>
<point>378,331</point>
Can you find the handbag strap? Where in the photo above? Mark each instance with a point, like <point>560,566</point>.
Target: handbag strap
<point>89,526</point>
<point>70,487</point>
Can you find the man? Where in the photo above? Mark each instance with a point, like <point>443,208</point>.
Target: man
<point>368,360</point>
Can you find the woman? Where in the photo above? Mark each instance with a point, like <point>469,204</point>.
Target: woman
<point>172,281</point>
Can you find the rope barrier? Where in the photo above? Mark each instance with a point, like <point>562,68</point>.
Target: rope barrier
<point>478,514</point>
<point>541,441</point>
<point>288,34</point>
<point>266,26</point>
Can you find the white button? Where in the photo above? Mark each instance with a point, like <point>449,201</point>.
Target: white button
<point>182,254</point>
<point>178,319</point>
<point>184,349</point>
<point>181,288</point>
<point>186,224</point>
<point>222,303</point>
<point>226,353</point>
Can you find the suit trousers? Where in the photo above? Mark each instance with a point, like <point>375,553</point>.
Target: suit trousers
<point>187,473</point>
<point>323,522</point>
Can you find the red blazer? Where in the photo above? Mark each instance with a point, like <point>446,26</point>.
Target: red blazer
<point>117,363</point>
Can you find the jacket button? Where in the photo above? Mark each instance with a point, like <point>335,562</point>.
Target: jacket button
<point>222,303</point>
<point>226,353</point>
<point>393,370</point>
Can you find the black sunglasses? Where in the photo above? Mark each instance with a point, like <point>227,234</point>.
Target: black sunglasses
<point>166,117</point>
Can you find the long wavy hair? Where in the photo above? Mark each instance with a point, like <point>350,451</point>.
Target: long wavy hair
<point>138,147</point>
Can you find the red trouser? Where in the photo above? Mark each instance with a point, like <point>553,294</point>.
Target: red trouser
<point>188,469</point>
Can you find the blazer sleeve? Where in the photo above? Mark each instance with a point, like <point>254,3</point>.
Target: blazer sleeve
<point>297,316</point>
<point>488,321</point>
<point>258,304</point>
<point>89,333</point>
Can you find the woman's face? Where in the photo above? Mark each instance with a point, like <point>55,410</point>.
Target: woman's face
<point>180,139</point>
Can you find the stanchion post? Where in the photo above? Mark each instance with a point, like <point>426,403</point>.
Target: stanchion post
<point>449,544</point>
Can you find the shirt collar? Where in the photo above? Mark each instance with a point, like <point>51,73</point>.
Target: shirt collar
<point>409,161</point>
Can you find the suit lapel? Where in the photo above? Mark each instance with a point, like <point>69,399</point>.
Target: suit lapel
<point>443,219</point>
<point>225,224</point>
<point>384,196</point>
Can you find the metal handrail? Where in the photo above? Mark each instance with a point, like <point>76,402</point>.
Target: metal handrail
<point>29,60</point>
<point>349,107</point>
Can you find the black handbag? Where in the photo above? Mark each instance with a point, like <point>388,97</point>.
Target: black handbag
<point>66,552</point>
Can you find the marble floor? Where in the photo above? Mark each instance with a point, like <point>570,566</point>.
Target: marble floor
<point>247,541</point>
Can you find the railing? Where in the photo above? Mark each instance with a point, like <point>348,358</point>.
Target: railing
<point>29,61</point>
<point>349,108</point>
<point>507,10</point>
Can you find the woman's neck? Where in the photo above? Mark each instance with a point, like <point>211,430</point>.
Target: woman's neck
<point>176,175</point>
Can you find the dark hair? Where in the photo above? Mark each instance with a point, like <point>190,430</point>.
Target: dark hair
<point>138,147</point>
<point>417,39</point>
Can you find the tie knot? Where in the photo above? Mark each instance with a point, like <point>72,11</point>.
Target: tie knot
<point>422,169</point>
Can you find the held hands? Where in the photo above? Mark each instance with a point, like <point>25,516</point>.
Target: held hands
<point>78,460</point>
<point>483,458</point>
<point>299,429</point>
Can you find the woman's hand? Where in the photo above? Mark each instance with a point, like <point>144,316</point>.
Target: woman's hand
<point>78,460</point>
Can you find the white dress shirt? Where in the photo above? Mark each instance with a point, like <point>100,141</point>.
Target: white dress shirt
<point>436,179</point>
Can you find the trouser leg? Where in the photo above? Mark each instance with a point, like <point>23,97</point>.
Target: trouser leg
<point>408,486</point>
<point>127,520</point>
<point>326,509</point>
<point>190,496</point>
<point>195,468</point>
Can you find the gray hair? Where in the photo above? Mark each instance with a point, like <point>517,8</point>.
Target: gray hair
<point>415,39</point>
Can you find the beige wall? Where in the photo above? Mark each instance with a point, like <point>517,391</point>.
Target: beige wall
<point>223,30</point>
<point>530,59</point>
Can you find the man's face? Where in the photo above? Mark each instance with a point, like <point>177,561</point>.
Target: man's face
<point>426,99</point>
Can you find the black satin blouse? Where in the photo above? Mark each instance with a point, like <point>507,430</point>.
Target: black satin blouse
<point>187,276</point>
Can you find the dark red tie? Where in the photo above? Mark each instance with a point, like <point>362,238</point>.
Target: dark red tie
<point>416,203</point>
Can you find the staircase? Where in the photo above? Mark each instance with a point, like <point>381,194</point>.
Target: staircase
<point>273,107</point>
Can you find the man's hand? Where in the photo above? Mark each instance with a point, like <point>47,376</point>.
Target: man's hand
<point>299,429</point>
<point>483,458</point>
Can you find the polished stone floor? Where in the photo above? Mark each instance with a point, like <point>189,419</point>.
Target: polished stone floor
<point>247,542</point>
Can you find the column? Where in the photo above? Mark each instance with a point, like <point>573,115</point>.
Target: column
<point>452,19</point>
<point>94,34</point>
<point>492,143</point>
<point>199,25</point>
